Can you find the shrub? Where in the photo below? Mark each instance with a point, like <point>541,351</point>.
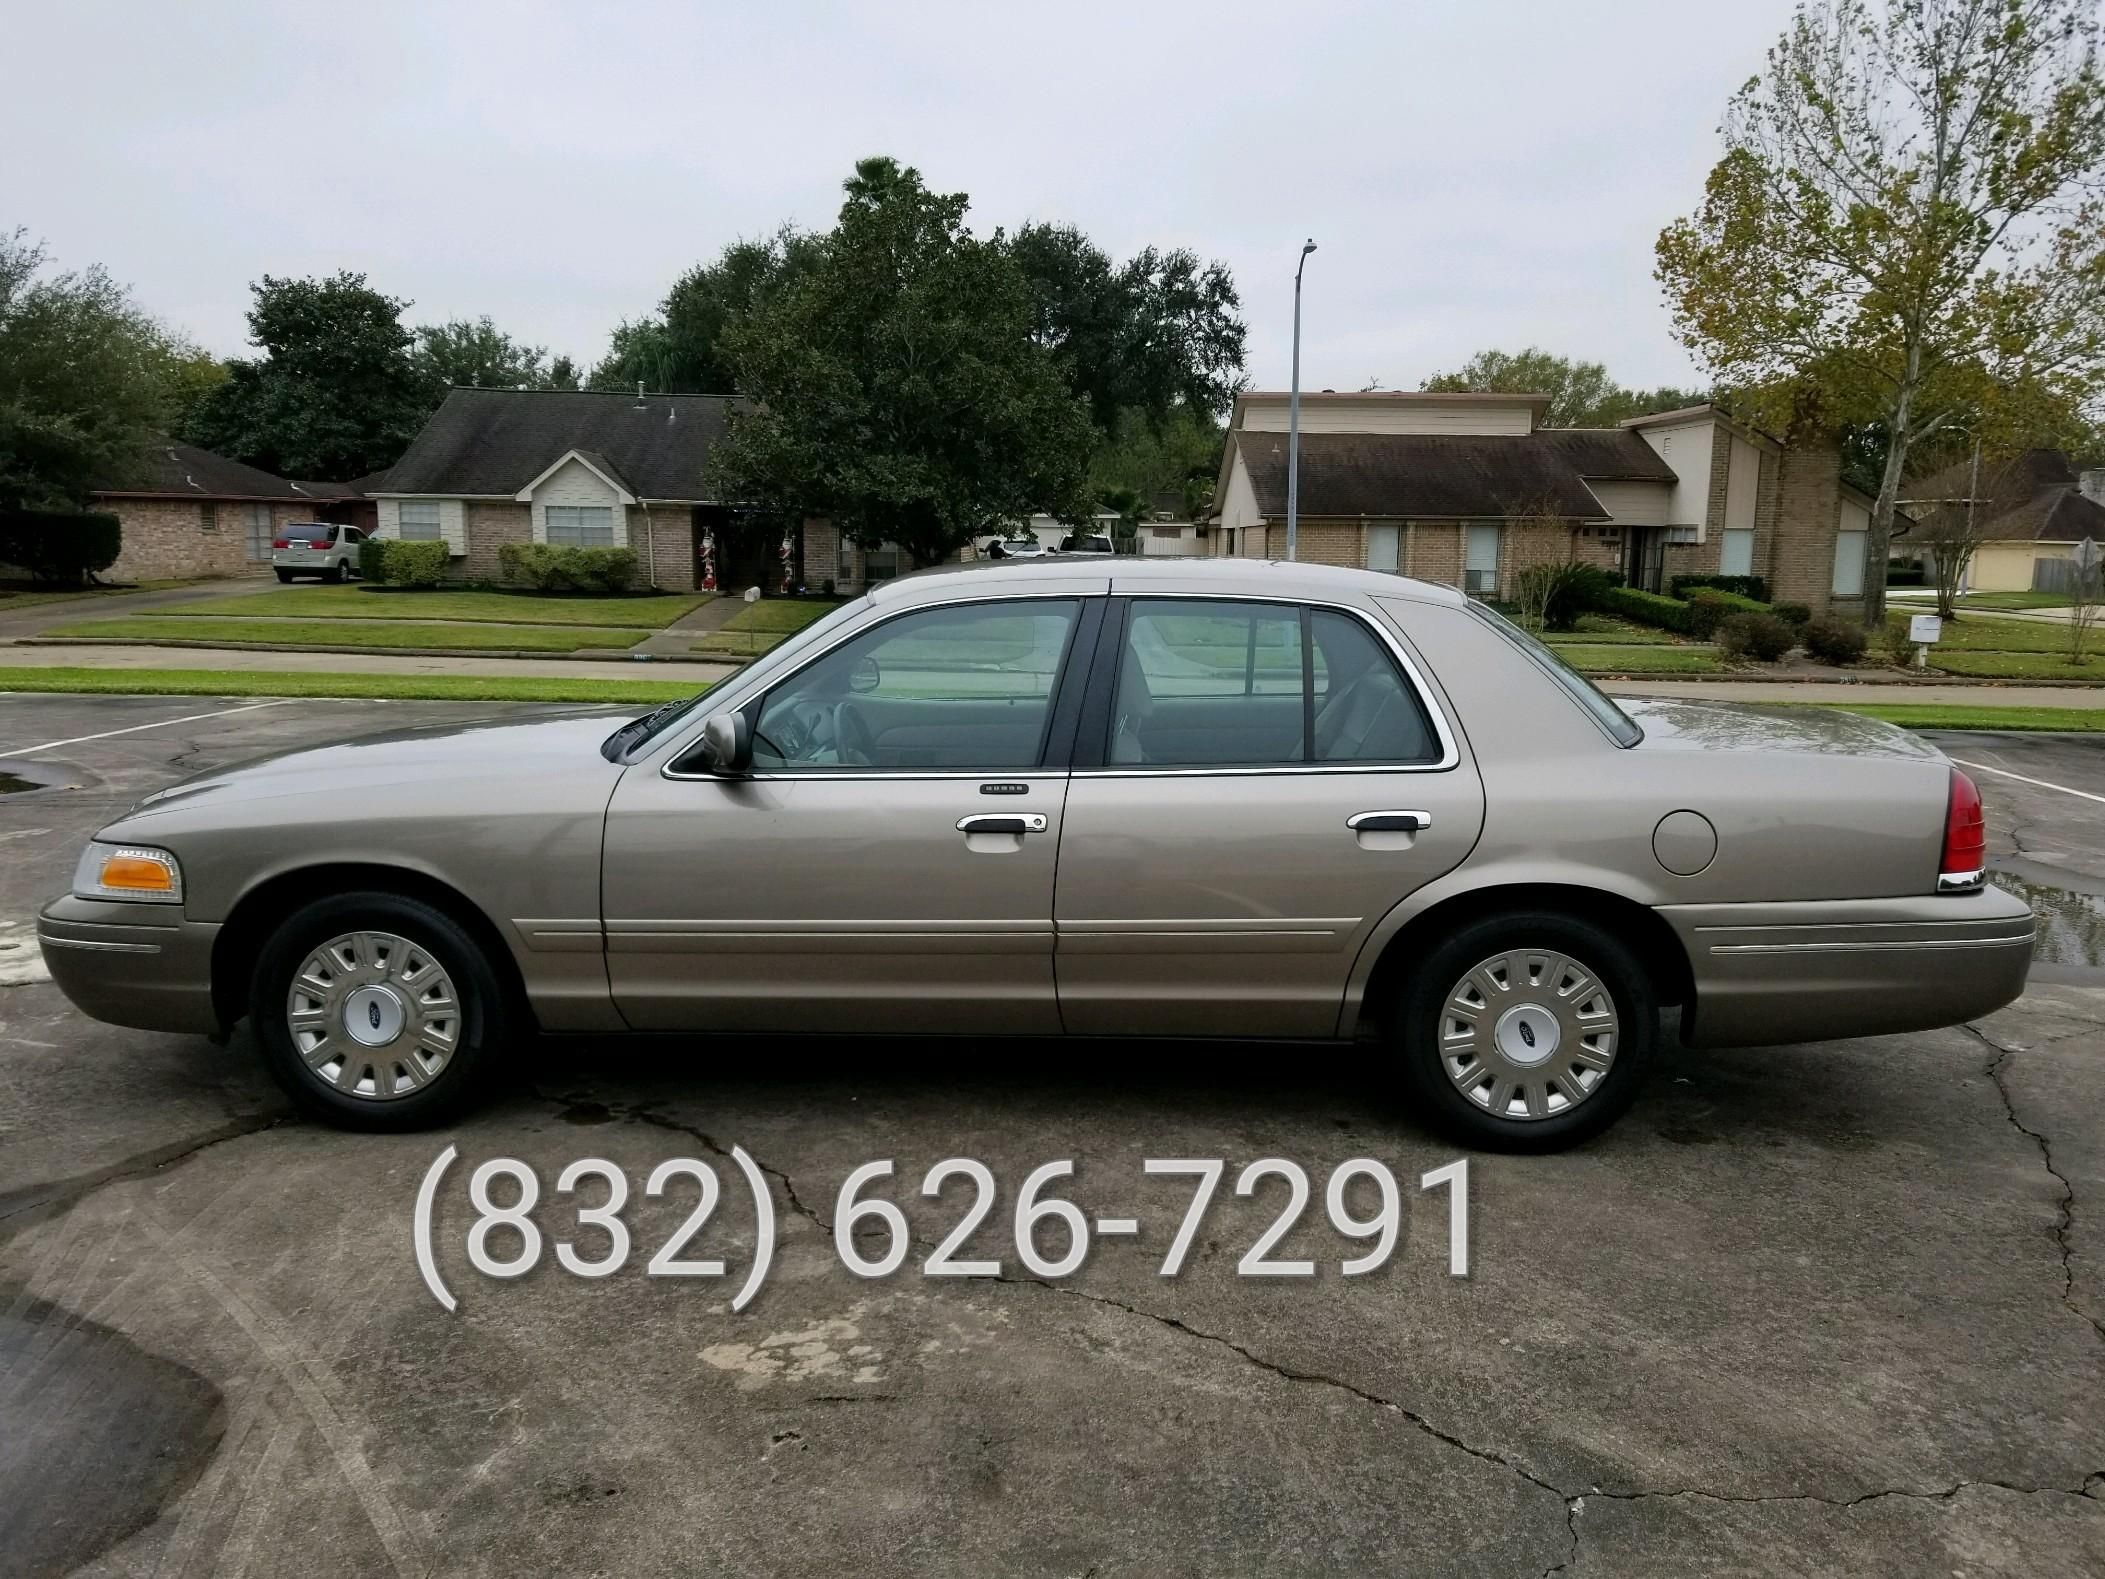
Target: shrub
<point>1644,608</point>
<point>420,564</point>
<point>1835,641</point>
<point>1561,591</point>
<point>1792,613</point>
<point>59,547</point>
<point>1745,586</point>
<point>549,567</point>
<point>1905,576</point>
<point>372,560</point>
<point>1762,637</point>
<point>1706,611</point>
<point>1900,650</point>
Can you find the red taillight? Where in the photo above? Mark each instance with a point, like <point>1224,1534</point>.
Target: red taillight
<point>281,542</point>
<point>1965,838</point>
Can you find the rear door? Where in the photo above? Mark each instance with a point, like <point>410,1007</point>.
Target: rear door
<point>888,863</point>
<point>1256,784</point>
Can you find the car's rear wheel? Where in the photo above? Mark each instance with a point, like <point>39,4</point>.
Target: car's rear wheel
<point>337,571</point>
<point>1527,1032</point>
<point>376,1012</point>
<point>284,575</point>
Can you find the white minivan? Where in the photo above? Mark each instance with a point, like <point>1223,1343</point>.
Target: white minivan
<point>316,548</point>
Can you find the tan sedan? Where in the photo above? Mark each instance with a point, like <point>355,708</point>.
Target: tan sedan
<point>1200,798</point>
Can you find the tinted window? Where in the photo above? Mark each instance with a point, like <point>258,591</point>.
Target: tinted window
<point>967,688</point>
<point>1365,710</point>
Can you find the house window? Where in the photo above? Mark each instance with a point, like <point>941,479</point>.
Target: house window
<point>1381,548</point>
<point>581,525</point>
<point>418,521</point>
<point>1736,553</point>
<point>208,517</point>
<point>1849,565</point>
<point>1480,561</point>
<point>881,563</point>
<point>259,532</point>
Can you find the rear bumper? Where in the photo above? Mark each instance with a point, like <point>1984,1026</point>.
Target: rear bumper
<point>1859,967</point>
<point>139,965</point>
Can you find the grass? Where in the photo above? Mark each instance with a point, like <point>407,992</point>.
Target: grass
<point>1602,630</point>
<point>2052,665</point>
<point>2014,600</point>
<point>286,633</point>
<point>1988,634</point>
<point>762,625</point>
<point>406,687</point>
<point>653,611</point>
<point>1638,659</point>
<point>1928,715</point>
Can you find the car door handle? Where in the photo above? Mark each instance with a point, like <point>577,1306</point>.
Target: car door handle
<point>1003,822</point>
<point>1390,822</point>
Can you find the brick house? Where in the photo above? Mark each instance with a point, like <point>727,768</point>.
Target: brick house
<point>585,468</point>
<point>1470,489</point>
<point>188,512</point>
<point>2029,513</point>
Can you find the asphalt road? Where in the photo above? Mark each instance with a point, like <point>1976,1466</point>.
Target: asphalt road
<point>1813,1310</point>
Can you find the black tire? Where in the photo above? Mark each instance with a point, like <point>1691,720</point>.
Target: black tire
<point>336,572</point>
<point>483,1022</point>
<point>285,575</point>
<point>1444,968</point>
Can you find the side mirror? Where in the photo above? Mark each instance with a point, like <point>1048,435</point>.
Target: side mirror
<point>727,745</point>
<point>866,676</point>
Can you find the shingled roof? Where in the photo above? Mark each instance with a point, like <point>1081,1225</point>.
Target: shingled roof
<point>1426,476</point>
<point>493,442</point>
<point>183,471</point>
<point>2035,497</point>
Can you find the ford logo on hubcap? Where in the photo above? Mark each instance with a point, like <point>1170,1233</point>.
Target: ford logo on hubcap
<point>372,1013</point>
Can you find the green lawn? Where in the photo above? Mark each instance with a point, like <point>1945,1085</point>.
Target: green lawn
<point>2052,665</point>
<point>762,625</point>
<point>354,633</point>
<point>408,687</point>
<point>1985,633</point>
<point>1638,659</point>
<point>1912,715</point>
<point>1603,630</point>
<point>645,611</point>
<point>2014,600</point>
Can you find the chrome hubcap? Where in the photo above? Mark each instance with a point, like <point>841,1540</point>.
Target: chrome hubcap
<point>1528,1034</point>
<point>373,1015</point>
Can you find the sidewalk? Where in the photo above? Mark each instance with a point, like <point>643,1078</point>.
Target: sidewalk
<point>1924,693</point>
<point>677,639</point>
<point>126,656</point>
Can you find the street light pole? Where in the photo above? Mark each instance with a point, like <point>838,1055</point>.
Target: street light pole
<point>1293,419</point>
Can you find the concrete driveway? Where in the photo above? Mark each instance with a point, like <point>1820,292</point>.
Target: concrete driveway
<point>1806,1310</point>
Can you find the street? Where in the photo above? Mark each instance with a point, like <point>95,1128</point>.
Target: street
<point>1810,1309</point>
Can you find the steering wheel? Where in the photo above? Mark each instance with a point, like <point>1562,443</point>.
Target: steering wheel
<point>852,740</point>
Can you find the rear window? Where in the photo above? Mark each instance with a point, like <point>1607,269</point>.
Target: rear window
<point>1618,725</point>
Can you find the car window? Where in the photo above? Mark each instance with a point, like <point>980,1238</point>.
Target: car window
<point>966,688</point>
<point>1366,711</point>
<point>1205,683</point>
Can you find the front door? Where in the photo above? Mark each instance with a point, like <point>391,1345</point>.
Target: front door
<point>887,865</point>
<point>1266,784</point>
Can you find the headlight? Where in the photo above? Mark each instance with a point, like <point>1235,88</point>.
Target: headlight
<point>130,872</point>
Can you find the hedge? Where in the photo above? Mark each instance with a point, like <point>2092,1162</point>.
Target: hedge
<point>546,567</point>
<point>389,561</point>
<point>1746,586</point>
<point>59,547</point>
<point>1684,618</point>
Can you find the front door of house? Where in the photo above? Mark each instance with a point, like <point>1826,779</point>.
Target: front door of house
<point>1644,557</point>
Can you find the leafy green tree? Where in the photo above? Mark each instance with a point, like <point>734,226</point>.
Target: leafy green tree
<point>475,353</point>
<point>337,392</point>
<point>1159,331</point>
<point>899,388</point>
<point>1908,224</point>
<point>1177,457</point>
<point>681,346</point>
<point>87,379</point>
<point>1582,395</point>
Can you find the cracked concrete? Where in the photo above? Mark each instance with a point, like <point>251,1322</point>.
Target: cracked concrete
<point>1807,1310</point>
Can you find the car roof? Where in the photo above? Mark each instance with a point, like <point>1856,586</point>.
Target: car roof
<point>1137,573</point>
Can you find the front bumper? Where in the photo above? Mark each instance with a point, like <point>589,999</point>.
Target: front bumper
<point>1813,971</point>
<point>140,965</point>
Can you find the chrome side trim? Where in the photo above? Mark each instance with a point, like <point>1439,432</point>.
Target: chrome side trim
<point>49,941</point>
<point>1872,948</point>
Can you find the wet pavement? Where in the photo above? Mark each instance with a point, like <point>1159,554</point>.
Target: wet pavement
<point>1815,1310</point>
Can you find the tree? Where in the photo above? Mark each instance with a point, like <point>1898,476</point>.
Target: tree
<point>337,392</point>
<point>1582,395</point>
<point>1907,222</point>
<point>681,346</point>
<point>898,386</point>
<point>1177,456</point>
<point>87,379</point>
<point>475,353</point>
<point>1154,333</point>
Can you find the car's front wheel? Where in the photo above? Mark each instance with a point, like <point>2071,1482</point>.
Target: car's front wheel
<point>376,1012</point>
<point>1527,1032</point>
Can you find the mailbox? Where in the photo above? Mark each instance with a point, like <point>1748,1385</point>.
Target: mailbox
<point>1924,629</point>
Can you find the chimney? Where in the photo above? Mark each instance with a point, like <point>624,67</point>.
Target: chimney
<point>2091,485</point>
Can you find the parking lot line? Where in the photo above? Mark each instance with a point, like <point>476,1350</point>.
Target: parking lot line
<point>1982,767</point>
<point>53,745</point>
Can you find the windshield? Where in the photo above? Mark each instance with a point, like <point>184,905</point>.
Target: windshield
<point>639,732</point>
<point>1617,724</point>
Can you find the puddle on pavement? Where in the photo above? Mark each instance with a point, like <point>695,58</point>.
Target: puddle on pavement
<point>2071,925</point>
<point>14,784</point>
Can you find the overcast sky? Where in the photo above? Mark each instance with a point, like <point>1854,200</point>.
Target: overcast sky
<point>1475,174</point>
